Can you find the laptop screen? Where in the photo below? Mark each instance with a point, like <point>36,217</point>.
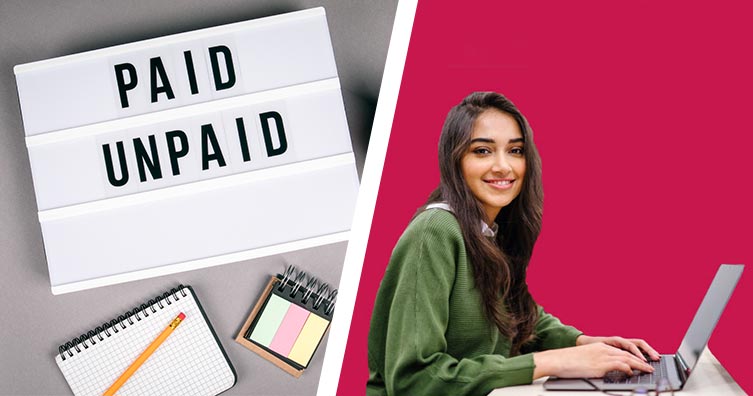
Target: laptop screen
<point>708,314</point>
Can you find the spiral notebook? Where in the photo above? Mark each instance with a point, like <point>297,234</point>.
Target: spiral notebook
<point>290,320</point>
<point>190,362</point>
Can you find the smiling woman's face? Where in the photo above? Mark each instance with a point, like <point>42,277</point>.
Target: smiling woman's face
<point>494,164</point>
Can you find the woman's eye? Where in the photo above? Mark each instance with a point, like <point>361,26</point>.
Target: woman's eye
<point>481,150</point>
<point>516,150</point>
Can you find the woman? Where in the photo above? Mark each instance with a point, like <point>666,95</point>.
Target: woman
<point>453,315</point>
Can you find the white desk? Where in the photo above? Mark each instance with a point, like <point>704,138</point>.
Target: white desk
<point>708,378</point>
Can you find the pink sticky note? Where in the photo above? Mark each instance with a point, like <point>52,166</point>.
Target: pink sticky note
<point>289,329</point>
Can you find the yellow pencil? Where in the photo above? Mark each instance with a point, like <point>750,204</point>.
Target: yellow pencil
<point>145,355</point>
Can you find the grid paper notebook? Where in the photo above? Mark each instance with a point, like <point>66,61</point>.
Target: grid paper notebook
<point>191,361</point>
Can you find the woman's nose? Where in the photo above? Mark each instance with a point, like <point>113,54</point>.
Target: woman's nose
<point>501,165</point>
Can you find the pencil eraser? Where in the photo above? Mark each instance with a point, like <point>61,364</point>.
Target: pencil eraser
<point>182,316</point>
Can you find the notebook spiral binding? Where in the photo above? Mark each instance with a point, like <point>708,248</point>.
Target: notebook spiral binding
<point>296,278</point>
<point>124,320</point>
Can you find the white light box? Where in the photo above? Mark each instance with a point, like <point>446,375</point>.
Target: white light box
<point>188,151</point>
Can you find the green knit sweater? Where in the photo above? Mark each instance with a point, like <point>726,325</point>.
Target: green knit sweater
<point>429,334</point>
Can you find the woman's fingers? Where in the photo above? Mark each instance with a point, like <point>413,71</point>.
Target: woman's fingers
<point>631,360</point>
<point>632,348</point>
<point>646,348</point>
<point>619,366</point>
<point>639,364</point>
<point>635,346</point>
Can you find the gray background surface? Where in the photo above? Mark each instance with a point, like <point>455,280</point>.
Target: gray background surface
<point>34,322</point>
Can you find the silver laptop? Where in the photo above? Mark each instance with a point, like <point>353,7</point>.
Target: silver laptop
<point>674,369</point>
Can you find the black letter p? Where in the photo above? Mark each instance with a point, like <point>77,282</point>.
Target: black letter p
<point>122,86</point>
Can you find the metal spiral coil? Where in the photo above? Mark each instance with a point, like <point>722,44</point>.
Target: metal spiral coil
<point>120,323</point>
<point>298,282</point>
<point>331,298</point>
<point>310,285</point>
<point>321,291</point>
<point>285,277</point>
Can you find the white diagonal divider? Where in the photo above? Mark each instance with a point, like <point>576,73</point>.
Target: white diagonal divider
<point>372,175</point>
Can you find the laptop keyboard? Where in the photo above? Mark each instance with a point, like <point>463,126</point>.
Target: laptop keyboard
<point>660,371</point>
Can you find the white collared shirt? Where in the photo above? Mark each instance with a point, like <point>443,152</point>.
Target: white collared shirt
<point>485,229</point>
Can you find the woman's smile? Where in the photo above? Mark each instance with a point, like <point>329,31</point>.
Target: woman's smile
<point>502,184</point>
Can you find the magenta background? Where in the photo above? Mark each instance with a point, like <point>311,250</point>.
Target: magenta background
<point>641,113</point>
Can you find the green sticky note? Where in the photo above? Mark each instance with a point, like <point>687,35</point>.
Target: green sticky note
<point>270,320</point>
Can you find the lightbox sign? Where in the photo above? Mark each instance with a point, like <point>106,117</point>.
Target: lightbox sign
<point>187,151</point>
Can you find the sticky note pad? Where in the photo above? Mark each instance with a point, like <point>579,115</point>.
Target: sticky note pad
<point>289,321</point>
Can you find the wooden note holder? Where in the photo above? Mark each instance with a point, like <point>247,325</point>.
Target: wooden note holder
<point>315,303</point>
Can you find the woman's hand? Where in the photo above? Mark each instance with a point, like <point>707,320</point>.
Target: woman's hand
<point>632,345</point>
<point>586,361</point>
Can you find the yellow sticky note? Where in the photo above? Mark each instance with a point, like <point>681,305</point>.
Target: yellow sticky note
<point>308,339</point>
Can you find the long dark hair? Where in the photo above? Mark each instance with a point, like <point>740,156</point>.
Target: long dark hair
<point>499,264</point>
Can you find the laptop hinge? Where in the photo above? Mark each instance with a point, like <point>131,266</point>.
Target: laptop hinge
<point>682,368</point>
